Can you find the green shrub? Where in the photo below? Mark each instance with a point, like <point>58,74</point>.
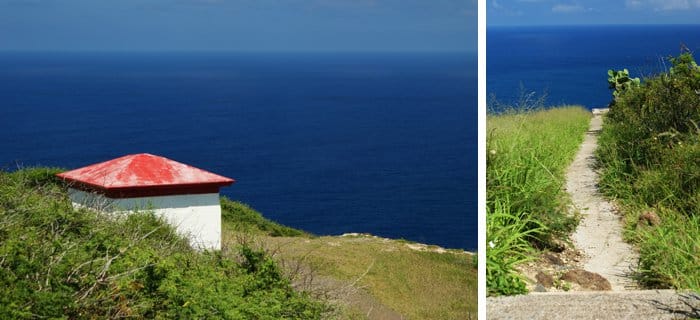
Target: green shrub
<point>58,262</point>
<point>649,151</point>
<point>651,138</point>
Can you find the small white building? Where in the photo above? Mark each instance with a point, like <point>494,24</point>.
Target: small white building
<point>185,196</point>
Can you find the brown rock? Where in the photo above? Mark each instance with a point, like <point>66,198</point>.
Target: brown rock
<point>587,280</point>
<point>544,279</point>
<point>649,218</point>
<point>557,246</point>
<point>553,259</point>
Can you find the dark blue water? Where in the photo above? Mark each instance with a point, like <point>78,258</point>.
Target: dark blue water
<point>570,63</point>
<point>329,143</point>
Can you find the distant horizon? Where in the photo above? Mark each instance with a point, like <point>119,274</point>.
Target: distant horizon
<point>594,25</point>
<point>299,51</point>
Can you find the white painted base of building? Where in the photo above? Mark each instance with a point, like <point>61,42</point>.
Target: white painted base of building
<point>195,216</point>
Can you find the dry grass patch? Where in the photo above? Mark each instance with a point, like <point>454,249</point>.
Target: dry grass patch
<point>379,278</point>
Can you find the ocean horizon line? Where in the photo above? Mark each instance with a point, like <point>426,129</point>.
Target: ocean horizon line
<point>586,25</point>
<point>216,51</point>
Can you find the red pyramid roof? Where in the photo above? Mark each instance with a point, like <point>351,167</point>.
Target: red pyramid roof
<point>141,175</point>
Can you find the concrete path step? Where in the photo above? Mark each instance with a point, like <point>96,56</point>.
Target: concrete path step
<point>596,305</point>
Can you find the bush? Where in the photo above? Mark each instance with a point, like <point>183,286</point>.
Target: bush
<point>649,151</point>
<point>651,138</point>
<point>58,262</point>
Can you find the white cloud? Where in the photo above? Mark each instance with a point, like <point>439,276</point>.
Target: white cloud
<point>633,4</point>
<point>666,5</point>
<point>662,5</point>
<point>504,9</point>
<point>569,8</point>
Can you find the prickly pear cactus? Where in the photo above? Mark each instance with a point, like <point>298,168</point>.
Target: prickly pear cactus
<point>620,81</point>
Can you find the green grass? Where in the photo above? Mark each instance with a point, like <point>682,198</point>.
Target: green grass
<point>61,263</point>
<point>527,154</point>
<point>649,151</point>
<point>390,275</point>
<point>414,284</point>
<point>670,252</point>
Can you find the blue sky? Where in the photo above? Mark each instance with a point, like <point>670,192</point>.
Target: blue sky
<point>568,12</point>
<point>247,25</point>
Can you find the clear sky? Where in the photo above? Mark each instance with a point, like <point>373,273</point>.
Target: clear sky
<point>249,25</point>
<point>568,12</point>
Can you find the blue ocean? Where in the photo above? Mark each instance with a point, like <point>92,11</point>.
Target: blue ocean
<point>382,143</point>
<point>569,64</point>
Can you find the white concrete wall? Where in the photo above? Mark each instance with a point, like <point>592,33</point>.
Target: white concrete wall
<point>195,216</point>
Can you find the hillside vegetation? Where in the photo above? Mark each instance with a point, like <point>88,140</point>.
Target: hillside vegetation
<point>649,151</point>
<point>362,276</point>
<point>377,278</point>
<point>526,205</point>
<point>58,262</point>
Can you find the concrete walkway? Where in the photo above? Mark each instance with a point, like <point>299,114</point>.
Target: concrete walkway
<point>598,305</point>
<point>599,234</point>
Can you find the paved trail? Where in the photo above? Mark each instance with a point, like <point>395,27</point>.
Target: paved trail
<point>599,237</point>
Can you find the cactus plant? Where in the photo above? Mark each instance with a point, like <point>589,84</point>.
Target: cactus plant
<point>620,81</point>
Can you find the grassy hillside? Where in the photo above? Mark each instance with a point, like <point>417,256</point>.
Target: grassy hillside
<point>363,276</point>
<point>379,278</point>
<point>59,262</point>
<point>526,205</point>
